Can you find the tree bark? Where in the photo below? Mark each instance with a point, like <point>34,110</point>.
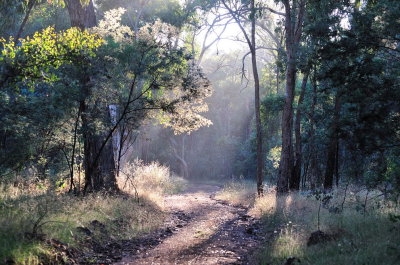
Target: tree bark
<point>296,174</point>
<point>81,16</point>
<point>337,164</point>
<point>98,152</point>
<point>72,185</point>
<point>332,147</point>
<point>260,160</point>
<point>293,30</point>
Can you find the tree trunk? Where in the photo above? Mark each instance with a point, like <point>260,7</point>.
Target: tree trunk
<point>72,185</point>
<point>98,152</point>
<point>313,155</point>
<point>296,174</point>
<point>293,30</point>
<point>251,42</point>
<point>180,157</point>
<point>81,16</point>
<point>337,164</point>
<point>30,6</point>
<point>286,163</point>
<point>332,147</point>
<point>260,160</point>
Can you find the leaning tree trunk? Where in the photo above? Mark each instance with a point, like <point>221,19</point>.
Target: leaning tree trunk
<point>294,183</point>
<point>98,152</point>
<point>31,4</point>
<point>332,147</point>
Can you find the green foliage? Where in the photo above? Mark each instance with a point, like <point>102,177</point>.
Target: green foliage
<point>272,104</point>
<point>274,156</point>
<point>355,238</point>
<point>142,12</point>
<point>35,98</point>
<point>46,51</point>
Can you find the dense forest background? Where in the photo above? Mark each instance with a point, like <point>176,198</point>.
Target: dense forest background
<point>297,95</point>
<point>328,93</point>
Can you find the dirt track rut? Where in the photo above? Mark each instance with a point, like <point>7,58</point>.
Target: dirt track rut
<point>202,230</point>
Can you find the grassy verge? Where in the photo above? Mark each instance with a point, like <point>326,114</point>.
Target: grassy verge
<point>28,220</point>
<point>239,193</point>
<point>359,234</point>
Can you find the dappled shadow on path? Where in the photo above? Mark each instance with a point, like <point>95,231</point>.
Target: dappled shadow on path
<point>217,233</point>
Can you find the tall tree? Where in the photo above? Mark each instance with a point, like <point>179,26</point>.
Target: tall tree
<point>237,14</point>
<point>294,17</point>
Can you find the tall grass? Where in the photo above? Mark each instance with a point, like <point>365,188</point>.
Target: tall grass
<point>361,233</point>
<point>29,216</point>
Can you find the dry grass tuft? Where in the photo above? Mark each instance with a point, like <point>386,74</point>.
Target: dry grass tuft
<point>151,181</point>
<point>239,193</point>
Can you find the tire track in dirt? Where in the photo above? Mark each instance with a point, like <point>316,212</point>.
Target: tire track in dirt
<point>202,230</point>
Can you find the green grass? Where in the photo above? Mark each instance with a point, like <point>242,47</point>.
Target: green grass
<point>370,239</point>
<point>362,238</point>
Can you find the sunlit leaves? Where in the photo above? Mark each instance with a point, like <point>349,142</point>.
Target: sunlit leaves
<point>35,57</point>
<point>111,26</point>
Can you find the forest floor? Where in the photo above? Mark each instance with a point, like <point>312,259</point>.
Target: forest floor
<point>201,230</point>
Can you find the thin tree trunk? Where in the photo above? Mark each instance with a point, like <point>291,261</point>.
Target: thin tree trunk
<point>277,80</point>
<point>73,150</point>
<point>305,174</point>
<point>251,42</point>
<point>31,4</point>
<point>296,174</point>
<point>260,160</point>
<point>313,156</point>
<point>332,147</point>
<point>337,164</point>
<point>183,165</point>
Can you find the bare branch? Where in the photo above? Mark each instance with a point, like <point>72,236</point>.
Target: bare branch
<point>236,16</point>
<point>274,11</point>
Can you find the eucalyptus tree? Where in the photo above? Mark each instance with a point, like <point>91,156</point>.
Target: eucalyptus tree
<point>294,18</point>
<point>238,10</point>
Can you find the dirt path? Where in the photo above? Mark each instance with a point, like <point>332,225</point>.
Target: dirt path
<point>202,230</point>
